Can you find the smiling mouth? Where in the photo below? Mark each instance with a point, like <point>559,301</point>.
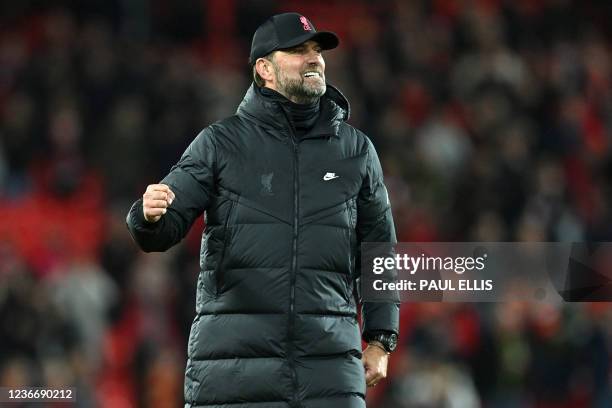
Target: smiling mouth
<point>312,74</point>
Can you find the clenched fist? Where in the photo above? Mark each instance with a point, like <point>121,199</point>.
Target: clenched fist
<point>155,201</point>
<point>375,360</point>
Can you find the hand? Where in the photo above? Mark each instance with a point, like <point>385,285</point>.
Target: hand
<point>375,360</point>
<point>155,201</point>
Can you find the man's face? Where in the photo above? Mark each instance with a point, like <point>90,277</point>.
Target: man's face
<point>300,72</point>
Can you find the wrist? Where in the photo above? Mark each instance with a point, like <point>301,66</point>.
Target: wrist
<point>379,345</point>
<point>386,340</point>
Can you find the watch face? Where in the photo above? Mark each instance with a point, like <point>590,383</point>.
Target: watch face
<point>391,342</point>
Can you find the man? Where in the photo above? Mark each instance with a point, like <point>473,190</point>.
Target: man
<point>290,190</point>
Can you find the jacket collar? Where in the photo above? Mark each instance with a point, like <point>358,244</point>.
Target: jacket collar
<point>268,113</point>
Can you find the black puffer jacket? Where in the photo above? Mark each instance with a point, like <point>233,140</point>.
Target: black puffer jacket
<point>276,322</point>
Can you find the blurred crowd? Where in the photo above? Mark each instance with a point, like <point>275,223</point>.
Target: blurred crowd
<point>492,118</point>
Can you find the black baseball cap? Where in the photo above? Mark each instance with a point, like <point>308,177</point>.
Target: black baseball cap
<point>285,31</point>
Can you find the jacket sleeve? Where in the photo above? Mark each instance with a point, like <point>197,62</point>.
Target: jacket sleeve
<point>192,181</point>
<point>375,224</point>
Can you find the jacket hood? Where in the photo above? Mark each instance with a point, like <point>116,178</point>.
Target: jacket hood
<point>268,113</point>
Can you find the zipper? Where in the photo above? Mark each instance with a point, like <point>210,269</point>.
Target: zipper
<point>296,215</point>
<point>291,322</point>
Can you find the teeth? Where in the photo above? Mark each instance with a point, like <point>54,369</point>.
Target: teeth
<point>309,74</point>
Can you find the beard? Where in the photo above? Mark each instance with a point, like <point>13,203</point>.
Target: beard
<point>300,90</point>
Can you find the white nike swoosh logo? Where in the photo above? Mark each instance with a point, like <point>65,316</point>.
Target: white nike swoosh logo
<point>330,176</point>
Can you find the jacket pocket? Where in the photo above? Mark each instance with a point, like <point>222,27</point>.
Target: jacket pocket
<point>227,241</point>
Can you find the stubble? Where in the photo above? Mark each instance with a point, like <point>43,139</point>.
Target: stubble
<point>299,90</point>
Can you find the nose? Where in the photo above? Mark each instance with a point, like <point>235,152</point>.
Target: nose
<point>314,57</point>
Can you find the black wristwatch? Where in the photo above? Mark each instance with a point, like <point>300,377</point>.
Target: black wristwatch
<point>388,340</point>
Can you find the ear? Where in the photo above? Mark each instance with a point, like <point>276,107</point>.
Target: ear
<point>265,69</point>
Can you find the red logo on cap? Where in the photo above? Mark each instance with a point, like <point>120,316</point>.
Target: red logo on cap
<point>305,24</point>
